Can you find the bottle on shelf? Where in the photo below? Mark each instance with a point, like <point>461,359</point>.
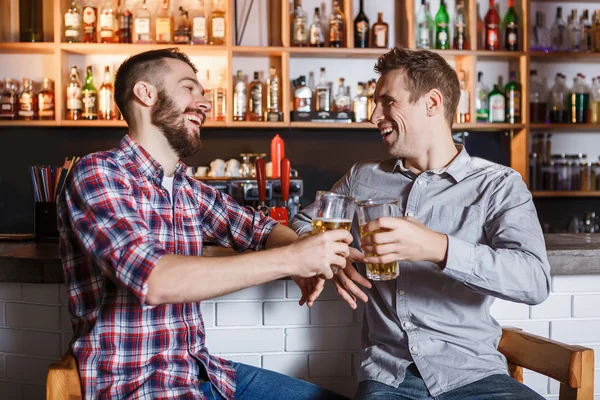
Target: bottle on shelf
<point>596,32</point>
<point>240,98</point>
<point>342,102</point>
<point>540,38</point>
<point>558,33</point>
<point>442,21</point>
<point>492,28</point>
<point>513,99</point>
<point>316,33</point>
<point>273,114</point>
<point>182,28</point>
<point>106,103</point>
<point>497,104</point>
<point>142,24</point>
<point>370,98</point>
<point>361,28</point>
<point>199,26</point>
<point>337,29</point>
<point>538,98</point>
<point>302,95</point>
<point>586,37</point>
<point>124,23</point>
<point>255,100</point>
<point>89,97</point>
<point>217,23</point>
<point>463,111</point>
<point>323,93</point>
<point>511,28</point>
<point>481,44</point>
<point>425,27</point>
<point>46,100</point>
<point>559,101</point>
<point>381,31</point>
<point>298,25</point>
<point>164,24</point>
<point>208,94</point>
<point>31,23</point>
<point>27,102</point>
<point>220,99</point>
<point>595,101</point>
<point>73,24</point>
<point>481,100</point>
<point>107,22</point>
<point>359,105</point>
<point>74,104</point>
<point>579,101</point>
<point>574,32</point>
<point>90,21</point>
<point>461,22</point>
<point>8,101</point>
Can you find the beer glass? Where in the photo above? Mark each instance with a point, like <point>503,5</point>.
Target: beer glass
<point>370,210</point>
<point>332,211</point>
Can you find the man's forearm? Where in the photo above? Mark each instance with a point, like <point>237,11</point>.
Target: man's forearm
<point>280,236</point>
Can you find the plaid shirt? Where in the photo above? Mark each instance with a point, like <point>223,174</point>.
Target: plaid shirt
<point>116,221</point>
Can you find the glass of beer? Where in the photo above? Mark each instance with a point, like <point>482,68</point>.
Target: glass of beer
<point>332,211</point>
<point>370,210</point>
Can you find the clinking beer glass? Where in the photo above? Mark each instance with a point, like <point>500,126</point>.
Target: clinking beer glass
<point>332,211</point>
<point>370,210</point>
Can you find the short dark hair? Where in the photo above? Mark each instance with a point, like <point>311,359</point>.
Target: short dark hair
<point>424,70</point>
<point>143,66</point>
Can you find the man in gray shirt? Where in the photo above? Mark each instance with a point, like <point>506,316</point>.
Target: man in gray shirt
<point>468,233</point>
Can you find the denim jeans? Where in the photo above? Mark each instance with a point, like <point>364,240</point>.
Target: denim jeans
<point>494,387</point>
<point>254,383</point>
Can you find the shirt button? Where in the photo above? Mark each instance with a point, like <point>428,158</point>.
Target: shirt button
<point>407,324</point>
<point>401,292</point>
<point>410,214</point>
<point>413,349</point>
<point>420,183</point>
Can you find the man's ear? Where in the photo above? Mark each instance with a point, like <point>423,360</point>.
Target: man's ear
<point>434,102</point>
<point>146,93</point>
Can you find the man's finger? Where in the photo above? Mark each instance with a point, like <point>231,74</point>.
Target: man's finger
<point>344,295</point>
<point>317,289</point>
<point>353,274</point>
<point>380,249</point>
<point>351,288</point>
<point>383,223</point>
<point>339,235</point>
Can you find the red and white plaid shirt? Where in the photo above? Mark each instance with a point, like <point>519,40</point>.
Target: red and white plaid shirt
<point>116,221</point>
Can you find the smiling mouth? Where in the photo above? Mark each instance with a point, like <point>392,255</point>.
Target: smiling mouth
<point>195,119</point>
<point>385,131</point>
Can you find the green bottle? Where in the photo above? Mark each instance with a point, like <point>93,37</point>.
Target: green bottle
<point>497,104</point>
<point>89,97</point>
<point>513,99</point>
<point>442,20</point>
<point>511,28</point>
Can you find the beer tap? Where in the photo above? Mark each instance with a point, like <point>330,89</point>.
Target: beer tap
<point>280,214</point>
<point>261,179</point>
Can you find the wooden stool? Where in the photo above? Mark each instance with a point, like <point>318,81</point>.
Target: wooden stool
<point>63,382</point>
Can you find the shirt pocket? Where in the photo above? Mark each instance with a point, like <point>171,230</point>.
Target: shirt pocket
<point>461,222</point>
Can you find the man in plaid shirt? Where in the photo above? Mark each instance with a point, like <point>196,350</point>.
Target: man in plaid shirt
<point>132,226</point>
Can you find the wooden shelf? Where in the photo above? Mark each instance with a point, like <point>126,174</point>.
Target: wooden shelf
<point>503,54</point>
<point>542,193</point>
<point>330,52</point>
<point>258,51</point>
<point>565,127</point>
<point>27,48</point>
<point>482,126</point>
<point>257,124</point>
<point>128,49</point>
<point>28,123</point>
<point>564,56</point>
<point>120,124</point>
<point>332,125</point>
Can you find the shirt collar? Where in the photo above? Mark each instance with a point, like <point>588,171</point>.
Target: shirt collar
<point>144,161</point>
<point>457,168</point>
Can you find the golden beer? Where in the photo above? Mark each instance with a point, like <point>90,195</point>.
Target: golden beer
<point>324,225</point>
<point>380,271</point>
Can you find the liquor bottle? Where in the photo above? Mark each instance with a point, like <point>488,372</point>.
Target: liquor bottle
<point>208,94</point>
<point>595,101</point>
<point>27,102</point>
<point>46,100</point>
<point>359,105</point>
<point>492,28</point>
<point>217,23</point>
<point>370,98</point>
<point>164,24</point>
<point>240,98</point>
<point>73,24</point>
<point>199,31</point>
<point>497,103</point>
<point>558,33</point>
<point>273,96</point>
<point>441,28</point>
<point>559,100</point>
<point>482,111</point>
<point>540,39</point>
<point>425,27</point>
<point>311,81</point>
<point>596,33</point>
<point>461,22</point>
<point>182,28</point>
<point>323,93</point>
<point>538,98</point>
<point>124,22</point>
<point>141,24</point>
<point>574,32</point>
<point>586,39</point>
<point>337,29</point>
<point>220,100</point>
<point>342,102</point>
<point>31,24</point>
<point>90,21</point>
<point>74,104</point>
<point>579,101</point>
<point>302,95</point>
<point>361,29</point>
<point>255,100</point>
<point>381,31</point>
<point>316,34</point>
<point>8,101</point>
<point>106,97</point>
<point>511,28</point>
<point>89,97</point>
<point>463,114</point>
<point>298,25</point>
<point>513,99</point>
<point>481,45</point>
<point>107,22</point>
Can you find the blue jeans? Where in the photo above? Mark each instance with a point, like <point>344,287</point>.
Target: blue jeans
<point>254,383</point>
<point>494,387</point>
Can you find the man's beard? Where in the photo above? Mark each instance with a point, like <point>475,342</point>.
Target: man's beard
<point>171,123</point>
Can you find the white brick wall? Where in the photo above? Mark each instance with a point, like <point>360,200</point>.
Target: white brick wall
<point>265,327</point>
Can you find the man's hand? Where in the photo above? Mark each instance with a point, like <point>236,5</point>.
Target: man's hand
<point>311,288</point>
<point>403,239</point>
<point>345,278</point>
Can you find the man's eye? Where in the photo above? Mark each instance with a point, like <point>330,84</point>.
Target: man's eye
<point>191,89</point>
<point>389,102</point>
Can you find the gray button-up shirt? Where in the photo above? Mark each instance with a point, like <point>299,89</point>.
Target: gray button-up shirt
<point>440,318</point>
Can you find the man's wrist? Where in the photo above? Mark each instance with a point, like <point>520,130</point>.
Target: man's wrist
<point>440,249</point>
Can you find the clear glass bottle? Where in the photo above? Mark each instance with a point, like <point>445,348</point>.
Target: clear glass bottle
<point>586,37</point>
<point>142,24</point>
<point>337,28</point>
<point>540,39</point>
<point>73,24</point>
<point>217,23</point>
<point>575,32</point>
<point>380,33</point>
<point>164,24</point>
<point>255,100</point>
<point>558,33</point>
<point>559,101</point>
<point>183,31</point>
<point>208,94</point>
<point>342,102</point>
<point>361,28</point>
<point>596,33</point>
<point>107,22</point>
<point>240,98</point>
<point>89,97</point>
<point>74,105</point>
<point>481,100</point>
<point>8,101</point>
<point>302,95</point>
<point>124,23</point>
<point>106,106</point>
<point>316,34</point>
<point>199,26</point>
<point>538,98</point>
<point>46,100</point>
<point>27,102</point>
<point>513,99</point>
<point>323,93</point>
<point>273,95</point>
<point>298,24</point>
<point>220,99</point>
<point>595,101</point>
<point>425,27</point>
<point>461,22</point>
<point>359,105</point>
<point>463,114</point>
